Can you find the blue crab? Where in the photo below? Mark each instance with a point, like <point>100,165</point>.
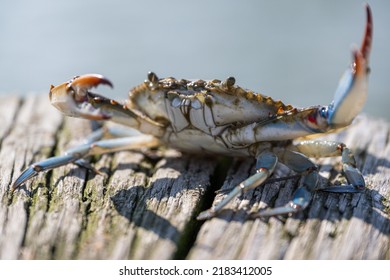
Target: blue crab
<point>219,117</point>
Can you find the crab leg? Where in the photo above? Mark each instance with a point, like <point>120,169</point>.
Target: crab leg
<point>265,166</point>
<point>302,196</point>
<point>354,177</point>
<point>92,146</point>
<point>301,164</point>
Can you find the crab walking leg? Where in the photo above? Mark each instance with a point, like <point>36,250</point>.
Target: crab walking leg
<point>299,162</point>
<point>355,179</point>
<point>302,196</point>
<point>265,166</point>
<point>53,162</point>
<point>91,147</point>
<point>102,133</point>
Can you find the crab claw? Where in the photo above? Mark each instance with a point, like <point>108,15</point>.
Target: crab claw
<point>88,81</point>
<point>351,93</point>
<point>73,98</point>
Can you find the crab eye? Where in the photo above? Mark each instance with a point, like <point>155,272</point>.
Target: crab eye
<point>323,112</point>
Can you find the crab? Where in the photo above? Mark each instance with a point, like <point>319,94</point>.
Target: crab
<point>219,117</point>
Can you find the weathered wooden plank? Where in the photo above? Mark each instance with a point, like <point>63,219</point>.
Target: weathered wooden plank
<point>27,133</point>
<point>145,206</point>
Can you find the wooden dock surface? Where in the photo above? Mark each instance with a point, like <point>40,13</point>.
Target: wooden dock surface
<point>145,206</point>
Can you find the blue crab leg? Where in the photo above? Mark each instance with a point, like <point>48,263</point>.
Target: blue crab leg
<point>265,166</point>
<point>301,164</point>
<point>92,146</point>
<point>302,196</point>
<point>354,177</point>
<point>42,166</point>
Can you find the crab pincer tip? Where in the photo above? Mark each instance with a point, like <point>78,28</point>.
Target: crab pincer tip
<point>91,80</point>
<point>368,34</point>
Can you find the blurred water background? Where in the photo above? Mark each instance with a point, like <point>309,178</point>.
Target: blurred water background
<point>295,51</point>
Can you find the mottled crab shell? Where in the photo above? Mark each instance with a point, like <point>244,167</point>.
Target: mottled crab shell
<point>209,106</point>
